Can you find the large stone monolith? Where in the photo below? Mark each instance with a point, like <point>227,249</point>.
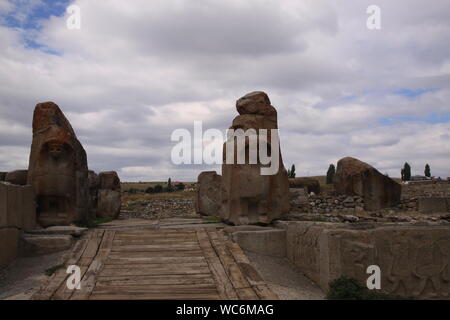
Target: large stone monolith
<point>354,177</point>
<point>58,168</point>
<point>209,194</point>
<point>109,195</point>
<point>250,197</point>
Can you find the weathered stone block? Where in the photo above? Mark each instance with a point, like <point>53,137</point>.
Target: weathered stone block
<point>354,177</point>
<point>109,203</point>
<point>18,177</point>
<point>17,206</point>
<point>310,184</point>
<point>433,205</point>
<point>414,260</point>
<point>60,230</point>
<point>3,205</point>
<point>209,194</point>
<point>27,207</point>
<point>9,240</point>
<point>36,245</point>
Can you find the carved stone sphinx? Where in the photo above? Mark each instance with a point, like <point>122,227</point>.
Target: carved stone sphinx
<point>57,168</point>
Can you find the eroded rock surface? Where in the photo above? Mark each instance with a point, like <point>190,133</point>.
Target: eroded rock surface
<point>57,168</point>
<point>209,194</point>
<point>109,195</point>
<point>250,197</point>
<point>354,177</point>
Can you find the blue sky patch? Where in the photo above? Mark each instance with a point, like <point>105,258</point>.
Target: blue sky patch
<point>413,93</point>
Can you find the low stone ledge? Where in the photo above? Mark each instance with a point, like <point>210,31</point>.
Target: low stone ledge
<point>60,230</point>
<point>36,245</point>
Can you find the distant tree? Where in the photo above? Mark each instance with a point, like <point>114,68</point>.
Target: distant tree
<point>330,174</point>
<point>132,191</point>
<point>291,172</point>
<point>158,188</point>
<point>180,186</point>
<point>170,187</point>
<point>407,172</point>
<point>427,171</point>
<point>403,174</point>
<point>150,190</point>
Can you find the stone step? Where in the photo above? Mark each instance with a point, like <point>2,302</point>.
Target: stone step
<point>60,230</point>
<point>36,245</point>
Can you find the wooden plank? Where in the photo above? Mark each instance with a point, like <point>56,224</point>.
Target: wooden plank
<point>231,268</point>
<point>224,286</point>
<point>159,247</point>
<point>264,292</point>
<point>173,289</point>
<point>152,296</point>
<point>88,280</point>
<point>157,233</point>
<point>151,266</point>
<point>244,264</point>
<point>143,254</point>
<point>204,278</point>
<point>64,293</point>
<point>154,271</point>
<point>153,242</point>
<point>247,294</point>
<point>59,277</point>
<point>250,273</point>
<point>156,260</point>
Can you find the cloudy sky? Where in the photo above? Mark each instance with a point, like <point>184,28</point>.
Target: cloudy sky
<point>139,69</point>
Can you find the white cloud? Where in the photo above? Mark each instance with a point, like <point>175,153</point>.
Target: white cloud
<point>138,70</point>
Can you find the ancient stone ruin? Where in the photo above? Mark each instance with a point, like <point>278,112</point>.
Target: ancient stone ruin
<point>57,168</point>
<point>17,177</point>
<point>17,213</point>
<point>414,260</point>
<point>56,191</point>
<point>246,196</point>
<point>310,184</point>
<point>109,202</point>
<point>356,178</point>
<point>209,194</point>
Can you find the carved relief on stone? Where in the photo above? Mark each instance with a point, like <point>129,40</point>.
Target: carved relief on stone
<point>57,168</point>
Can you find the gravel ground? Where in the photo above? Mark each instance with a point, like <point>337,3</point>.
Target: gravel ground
<point>282,277</point>
<point>25,276</point>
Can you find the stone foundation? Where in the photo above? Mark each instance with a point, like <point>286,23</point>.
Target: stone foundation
<point>414,260</point>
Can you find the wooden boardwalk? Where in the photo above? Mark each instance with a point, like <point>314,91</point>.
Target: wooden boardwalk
<point>184,263</point>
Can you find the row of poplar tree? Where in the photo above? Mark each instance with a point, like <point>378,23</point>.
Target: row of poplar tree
<point>405,172</point>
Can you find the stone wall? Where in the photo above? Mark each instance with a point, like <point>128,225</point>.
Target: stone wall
<point>17,213</point>
<point>418,196</point>
<point>425,189</point>
<point>414,260</point>
<point>301,202</point>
